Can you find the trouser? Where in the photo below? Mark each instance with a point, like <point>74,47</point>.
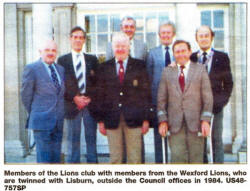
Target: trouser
<point>48,144</point>
<point>133,143</point>
<point>186,147</point>
<point>73,136</point>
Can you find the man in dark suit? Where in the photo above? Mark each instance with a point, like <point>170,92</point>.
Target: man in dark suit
<point>184,106</point>
<point>80,81</point>
<point>124,97</point>
<point>42,95</point>
<point>159,58</point>
<point>218,67</point>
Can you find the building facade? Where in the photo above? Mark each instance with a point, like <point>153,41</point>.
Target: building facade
<point>25,25</point>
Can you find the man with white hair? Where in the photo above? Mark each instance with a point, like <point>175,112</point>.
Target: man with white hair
<point>42,95</point>
<point>123,98</point>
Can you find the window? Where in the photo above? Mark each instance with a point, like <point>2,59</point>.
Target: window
<point>216,20</point>
<point>99,28</point>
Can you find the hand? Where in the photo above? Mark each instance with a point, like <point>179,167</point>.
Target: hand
<point>81,101</point>
<point>145,127</point>
<point>172,64</point>
<point>163,128</point>
<point>102,128</point>
<point>205,128</point>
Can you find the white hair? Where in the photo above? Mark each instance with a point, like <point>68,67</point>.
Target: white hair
<point>120,36</point>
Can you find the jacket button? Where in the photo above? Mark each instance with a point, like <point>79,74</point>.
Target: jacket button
<point>120,105</point>
<point>121,93</point>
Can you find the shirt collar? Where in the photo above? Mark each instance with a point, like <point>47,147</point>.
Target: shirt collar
<point>74,53</point>
<point>124,61</point>
<point>186,65</point>
<point>164,47</point>
<point>208,51</point>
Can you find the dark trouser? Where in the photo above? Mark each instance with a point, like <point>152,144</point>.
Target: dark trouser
<point>217,142</point>
<point>73,134</point>
<point>48,144</point>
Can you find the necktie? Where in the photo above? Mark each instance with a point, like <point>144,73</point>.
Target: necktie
<point>167,57</point>
<point>204,59</point>
<point>79,74</point>
<point>55,79</point>
<point>204,54</point>
<point>121,71</point>
<point>182,79</point>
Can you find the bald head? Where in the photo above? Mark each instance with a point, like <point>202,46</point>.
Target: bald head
<point>48,51</point>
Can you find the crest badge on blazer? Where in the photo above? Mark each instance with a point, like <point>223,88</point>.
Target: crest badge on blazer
<point>135,82</point>
<point>92,72</point>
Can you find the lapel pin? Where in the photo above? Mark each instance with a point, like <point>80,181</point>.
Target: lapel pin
<point>135,83</point>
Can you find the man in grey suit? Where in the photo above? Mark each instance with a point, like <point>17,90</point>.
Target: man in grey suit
<point>42,95</point>
<point>185,104</point>
<point>158,58</point>
<point>138,48</point>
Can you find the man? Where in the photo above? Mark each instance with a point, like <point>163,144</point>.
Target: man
<point>124,98</point>
<point>158,58</point>
<point>42,95</point>
<point>218,67</point>
<point>80,81</point>
<point>185,106</point>
<point>138,49</point>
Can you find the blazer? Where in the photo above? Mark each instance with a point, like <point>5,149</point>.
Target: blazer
<point>130,99</point>
<point>194,104</point>
<point>140,49</point>
<point>221,79</point>
<point>40,98</point>
<point>155,65</point>
<point>71,83</point>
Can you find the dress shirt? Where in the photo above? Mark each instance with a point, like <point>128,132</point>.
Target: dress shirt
<point>125,62</point>
<point>132,48</point>
<point>209,56</point>
<point>185,70</point>
<point>75,62</point>
<point>49,71</point>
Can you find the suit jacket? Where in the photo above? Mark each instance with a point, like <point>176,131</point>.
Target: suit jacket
<point>221,79</point>
<point>195,103</point>
<point>155,66</point>
<point>40,98</point>
<point>71,83</point>
<point>130,99</point>
<point>140,50</point>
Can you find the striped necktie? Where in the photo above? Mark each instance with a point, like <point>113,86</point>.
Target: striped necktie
<point>79,74</point>
<point>54,78</point>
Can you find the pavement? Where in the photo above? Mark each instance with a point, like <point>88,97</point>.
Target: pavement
<point>104,159</point>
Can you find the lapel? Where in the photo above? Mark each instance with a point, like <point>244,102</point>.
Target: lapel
<point>190,76</point>
<point>87,64</point>
<point>176,79</point>
<point>113,72</point>
<point>159,56</point>
<point>214,63</point>
<point>70,66</point>
<point>44,75</point>
<point>129,69</point>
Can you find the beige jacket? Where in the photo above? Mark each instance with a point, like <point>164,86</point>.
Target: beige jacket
<point>195,103</point>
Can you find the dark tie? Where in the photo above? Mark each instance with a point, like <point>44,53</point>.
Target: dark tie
<point>121,71</point>
<point>182,79</point>
<point>204,59</point>
<point>167,57</point>
<point>54,78</point>
<point>79,74</point>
